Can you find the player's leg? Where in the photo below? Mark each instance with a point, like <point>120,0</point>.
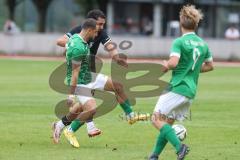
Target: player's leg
<point>123,100</point>
<point>163,118</point>
<point>91,128</point>
<point>88,110</point>
<point>76,124</point>
<point>161,141</point>
<point>65,121</point>
<point>69,131</point>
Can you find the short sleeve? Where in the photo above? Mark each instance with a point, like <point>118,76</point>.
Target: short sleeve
<point>105,38</point>
<point>208,57</point>
<point>176,48</point>
<point>73,31</point>
<point>77,56</point>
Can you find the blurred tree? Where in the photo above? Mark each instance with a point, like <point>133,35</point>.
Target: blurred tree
<point>88,5</point>
<point>103,5</point>
<point>189,1</point>
<point>11,4</point>
<point>42,8</point>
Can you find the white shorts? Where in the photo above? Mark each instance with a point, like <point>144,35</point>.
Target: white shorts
<point>173,105</point>
<point>83,92</point>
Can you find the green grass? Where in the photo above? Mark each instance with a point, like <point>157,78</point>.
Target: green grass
<point>27,110</point>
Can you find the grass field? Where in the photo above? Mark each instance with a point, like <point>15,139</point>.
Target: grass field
<point>27,110</point>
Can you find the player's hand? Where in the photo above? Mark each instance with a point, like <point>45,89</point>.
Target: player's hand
<point>164,66</point>
<point>120,61</point>
<point>70,100</point>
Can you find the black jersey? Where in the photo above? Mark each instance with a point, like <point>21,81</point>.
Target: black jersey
<point>102,37</point>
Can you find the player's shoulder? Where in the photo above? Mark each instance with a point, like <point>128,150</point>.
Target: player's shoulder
<point>74,30</point>
<point>103,34</point>
<point>75,38</point>
<point>204,43</point>
<point>178,41</point>
<point>77,42</point>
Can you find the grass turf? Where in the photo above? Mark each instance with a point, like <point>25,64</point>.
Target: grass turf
<point>27,110</point>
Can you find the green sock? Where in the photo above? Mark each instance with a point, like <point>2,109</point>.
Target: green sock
<point>75,125</point>
<point>171,136</point>
<point>160,144</point>
<point>126,106</point>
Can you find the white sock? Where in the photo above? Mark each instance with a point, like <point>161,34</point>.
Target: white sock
<point>130,115</point>
<point>90,126</point>
<point>60,124</point>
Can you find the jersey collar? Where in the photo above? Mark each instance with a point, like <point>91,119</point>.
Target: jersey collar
<point>82,38</point>
<point>188,33</point>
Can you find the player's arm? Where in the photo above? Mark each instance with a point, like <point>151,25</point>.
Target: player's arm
<point>208,63</point>
<point>207,66</point>
<point>112,50</point>
<point>74,80</point>
<point>62,41</point>
<point>76,66</point>
<point>172,62</point>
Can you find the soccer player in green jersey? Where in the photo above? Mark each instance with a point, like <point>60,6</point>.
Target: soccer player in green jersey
<point>77,57</point>
<point>189,56</point>
<point>109,85</point>
<point>78,75</point>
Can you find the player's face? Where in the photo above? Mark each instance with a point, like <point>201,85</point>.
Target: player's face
<point>100,23</point>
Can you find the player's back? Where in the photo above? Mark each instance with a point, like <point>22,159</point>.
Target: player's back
<point>76,43</point>
<point>78,52</point>
<point>193,51</point>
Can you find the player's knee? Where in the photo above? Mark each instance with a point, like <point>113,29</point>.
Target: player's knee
<point>118,87</point>
<point>76,109</point>
<point>93,111</point>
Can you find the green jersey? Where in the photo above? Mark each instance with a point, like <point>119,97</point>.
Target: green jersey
<point>193,52</point>
<point>78,53</point>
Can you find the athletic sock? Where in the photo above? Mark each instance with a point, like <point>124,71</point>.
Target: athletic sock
<point>75,125</point>
<point>160,144</point>
<point>90,126</point>
<point>65,121</point>
<point>171,136</point>
<point>126,106</point>
<point>60,124</point>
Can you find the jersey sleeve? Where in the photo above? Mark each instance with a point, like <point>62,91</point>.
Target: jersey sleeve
<point>208,57</point>
<point>105,38</point>
<point>77,56</point>
<point>176,48</point>
<point>74,31</point>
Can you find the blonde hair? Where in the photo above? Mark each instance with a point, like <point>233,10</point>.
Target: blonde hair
<point>190,17</point>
